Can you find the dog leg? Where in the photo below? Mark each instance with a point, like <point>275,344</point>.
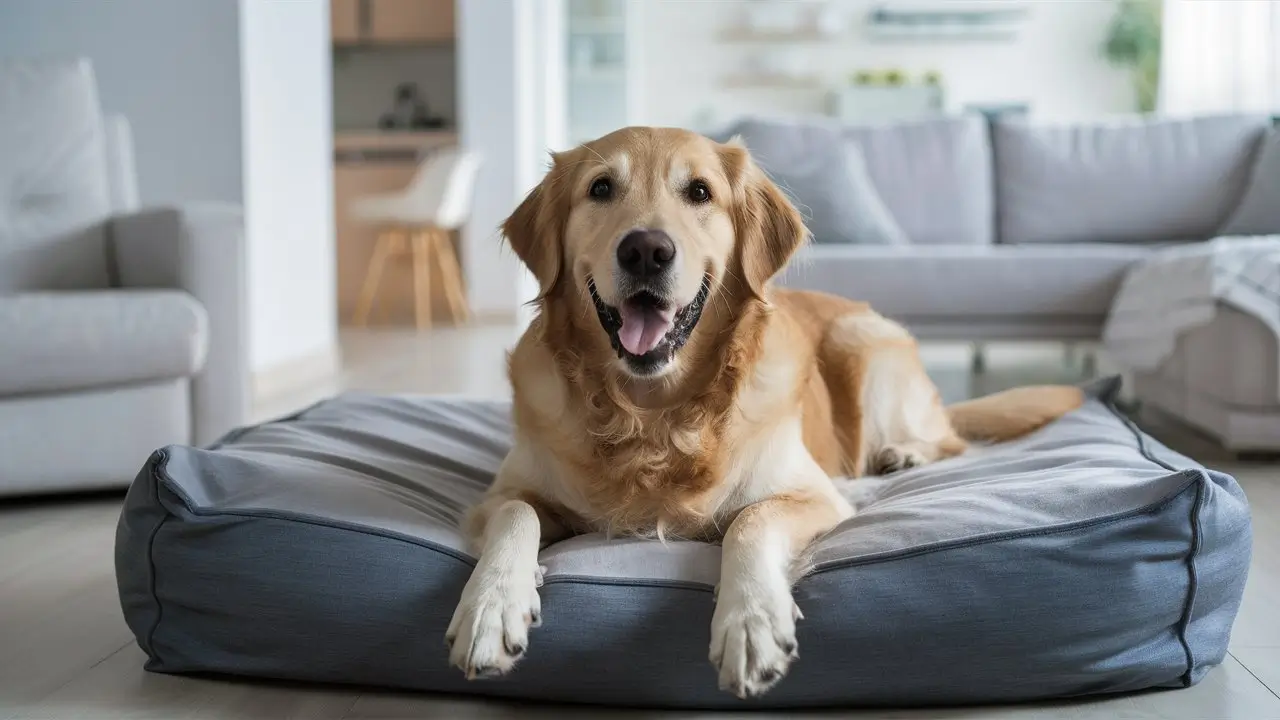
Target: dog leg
<point>490,627</point>
<point>753,631</point>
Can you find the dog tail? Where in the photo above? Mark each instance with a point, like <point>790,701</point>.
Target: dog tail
<point>1013,413</point>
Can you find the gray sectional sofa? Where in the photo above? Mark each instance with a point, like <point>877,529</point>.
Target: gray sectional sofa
<point>1016,229</point>
<point>974,228</point>
<point>121,329</point>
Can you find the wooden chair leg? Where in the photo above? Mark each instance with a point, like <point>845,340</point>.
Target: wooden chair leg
<point>373,278</point>
<point>451,276</point>
<point>422,279</point>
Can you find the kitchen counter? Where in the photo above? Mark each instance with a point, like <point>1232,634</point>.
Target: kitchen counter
<point>389,145</point>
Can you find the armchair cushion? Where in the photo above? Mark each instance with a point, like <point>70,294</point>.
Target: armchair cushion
<point>76,340</point>
<point>199,249</point>
<point>54,191</point>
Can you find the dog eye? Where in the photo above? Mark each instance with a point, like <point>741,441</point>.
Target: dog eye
<point>698,192</point>
<point>601,189</point>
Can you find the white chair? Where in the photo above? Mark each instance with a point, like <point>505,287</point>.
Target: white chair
<point>419,220</point>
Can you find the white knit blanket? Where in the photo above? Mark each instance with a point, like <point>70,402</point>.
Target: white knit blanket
<point>1181,288</point>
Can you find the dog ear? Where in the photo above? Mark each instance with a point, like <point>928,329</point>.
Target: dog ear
<point>535,232</point>
<point>767,226</point>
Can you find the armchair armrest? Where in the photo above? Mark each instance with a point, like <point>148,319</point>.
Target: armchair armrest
<point>199,249</point>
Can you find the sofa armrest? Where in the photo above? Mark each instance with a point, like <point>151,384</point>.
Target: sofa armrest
<point>199,249</point>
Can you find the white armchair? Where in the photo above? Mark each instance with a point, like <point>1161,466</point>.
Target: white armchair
<point>121,330</point>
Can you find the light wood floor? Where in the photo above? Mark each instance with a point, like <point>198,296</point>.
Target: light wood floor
<point>66,653</point>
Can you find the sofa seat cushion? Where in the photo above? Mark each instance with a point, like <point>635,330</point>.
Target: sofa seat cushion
<point>56,342</point>
<point>1084,558</point>
<point>946,282</point>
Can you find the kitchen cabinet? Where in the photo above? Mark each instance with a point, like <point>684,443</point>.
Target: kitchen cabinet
<point>397,21</point>
<point>344,20</point>
<point>391,22</point>
<point>370,163</point>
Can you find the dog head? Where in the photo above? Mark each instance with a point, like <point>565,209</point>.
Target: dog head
<point>641,229</point>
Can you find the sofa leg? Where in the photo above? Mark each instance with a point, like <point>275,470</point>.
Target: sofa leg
<point>978,359</point>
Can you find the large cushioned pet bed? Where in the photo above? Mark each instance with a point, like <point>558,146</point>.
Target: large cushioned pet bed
<point>1086,558</point>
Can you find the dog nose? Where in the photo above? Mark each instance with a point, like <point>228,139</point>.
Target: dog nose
<point>644,253</point>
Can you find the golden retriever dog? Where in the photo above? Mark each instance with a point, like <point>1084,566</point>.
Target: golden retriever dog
<point>666,390</point>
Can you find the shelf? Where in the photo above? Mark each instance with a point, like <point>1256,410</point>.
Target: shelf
<point>954,20</point>
<point>597,26</point>
<point>939,32</point>
<point>598,75</point>
<point>746,35</point>
<point>784,82</point>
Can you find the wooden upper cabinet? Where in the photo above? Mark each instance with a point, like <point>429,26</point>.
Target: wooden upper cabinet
<point>344,20</point>
<point>397,21</point>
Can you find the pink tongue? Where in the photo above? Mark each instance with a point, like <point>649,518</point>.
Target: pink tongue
<point>643,327</point>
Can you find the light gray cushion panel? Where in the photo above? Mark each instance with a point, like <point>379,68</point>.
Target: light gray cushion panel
<point>1127,180</point>
<point>1243,377</point>
<point>1083,559</point>
<point>998,281</point>
<point>53,178</point>
<point>90,439</point>
<point>833,189</point>
<point>933,176</point>
<point>122,172</point>
<point>76,340</point>
<point>199,249</point>
<point>1259,210</point>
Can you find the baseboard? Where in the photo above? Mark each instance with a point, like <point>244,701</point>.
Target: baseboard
<point>296,374</point>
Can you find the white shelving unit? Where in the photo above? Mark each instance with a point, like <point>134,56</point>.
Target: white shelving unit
<point>601,66</point>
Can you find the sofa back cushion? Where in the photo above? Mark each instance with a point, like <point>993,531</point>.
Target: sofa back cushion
<point>1259,210</point>
<point>934,176</point>
<point>1132,180</point>
<point>54,193</point>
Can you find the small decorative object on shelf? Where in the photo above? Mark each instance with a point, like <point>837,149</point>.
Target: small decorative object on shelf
<point>865,77</point>
<point>933,77</point>
<point>895,78</point>
<point>943,19</point>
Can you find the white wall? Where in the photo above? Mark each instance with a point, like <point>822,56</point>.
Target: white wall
<point>503,46</point>
<point>1053,64</point>
<point>229,100</point>
<point>288,179</point>
<point>172,67</point>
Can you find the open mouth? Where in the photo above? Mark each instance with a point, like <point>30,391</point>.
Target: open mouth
<point>646,330</point>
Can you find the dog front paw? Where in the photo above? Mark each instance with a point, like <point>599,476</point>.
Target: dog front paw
<point>895,458</point>
<point>753,639</point>
<point>489,631</point>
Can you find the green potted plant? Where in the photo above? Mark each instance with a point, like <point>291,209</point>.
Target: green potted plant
<point>1133,41</point>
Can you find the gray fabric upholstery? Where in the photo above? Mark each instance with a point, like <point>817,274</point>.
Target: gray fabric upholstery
<point>1221,378</point>
<point>88,440</point>
<point>56,342</point>
<point>1083,559</point>
<point>1127,181</point>
<point>54,191</point>
<point>1259,210</point>
<point>199,249</point>
<point>70,366</point>
<point>969,282</point>
<point>833,190</point>
<point>934,176</point>
<point>122,174</point>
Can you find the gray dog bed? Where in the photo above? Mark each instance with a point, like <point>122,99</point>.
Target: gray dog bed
<point>1084,559</point>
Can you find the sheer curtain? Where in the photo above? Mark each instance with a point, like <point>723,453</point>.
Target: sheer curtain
<point>1220,56</point>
